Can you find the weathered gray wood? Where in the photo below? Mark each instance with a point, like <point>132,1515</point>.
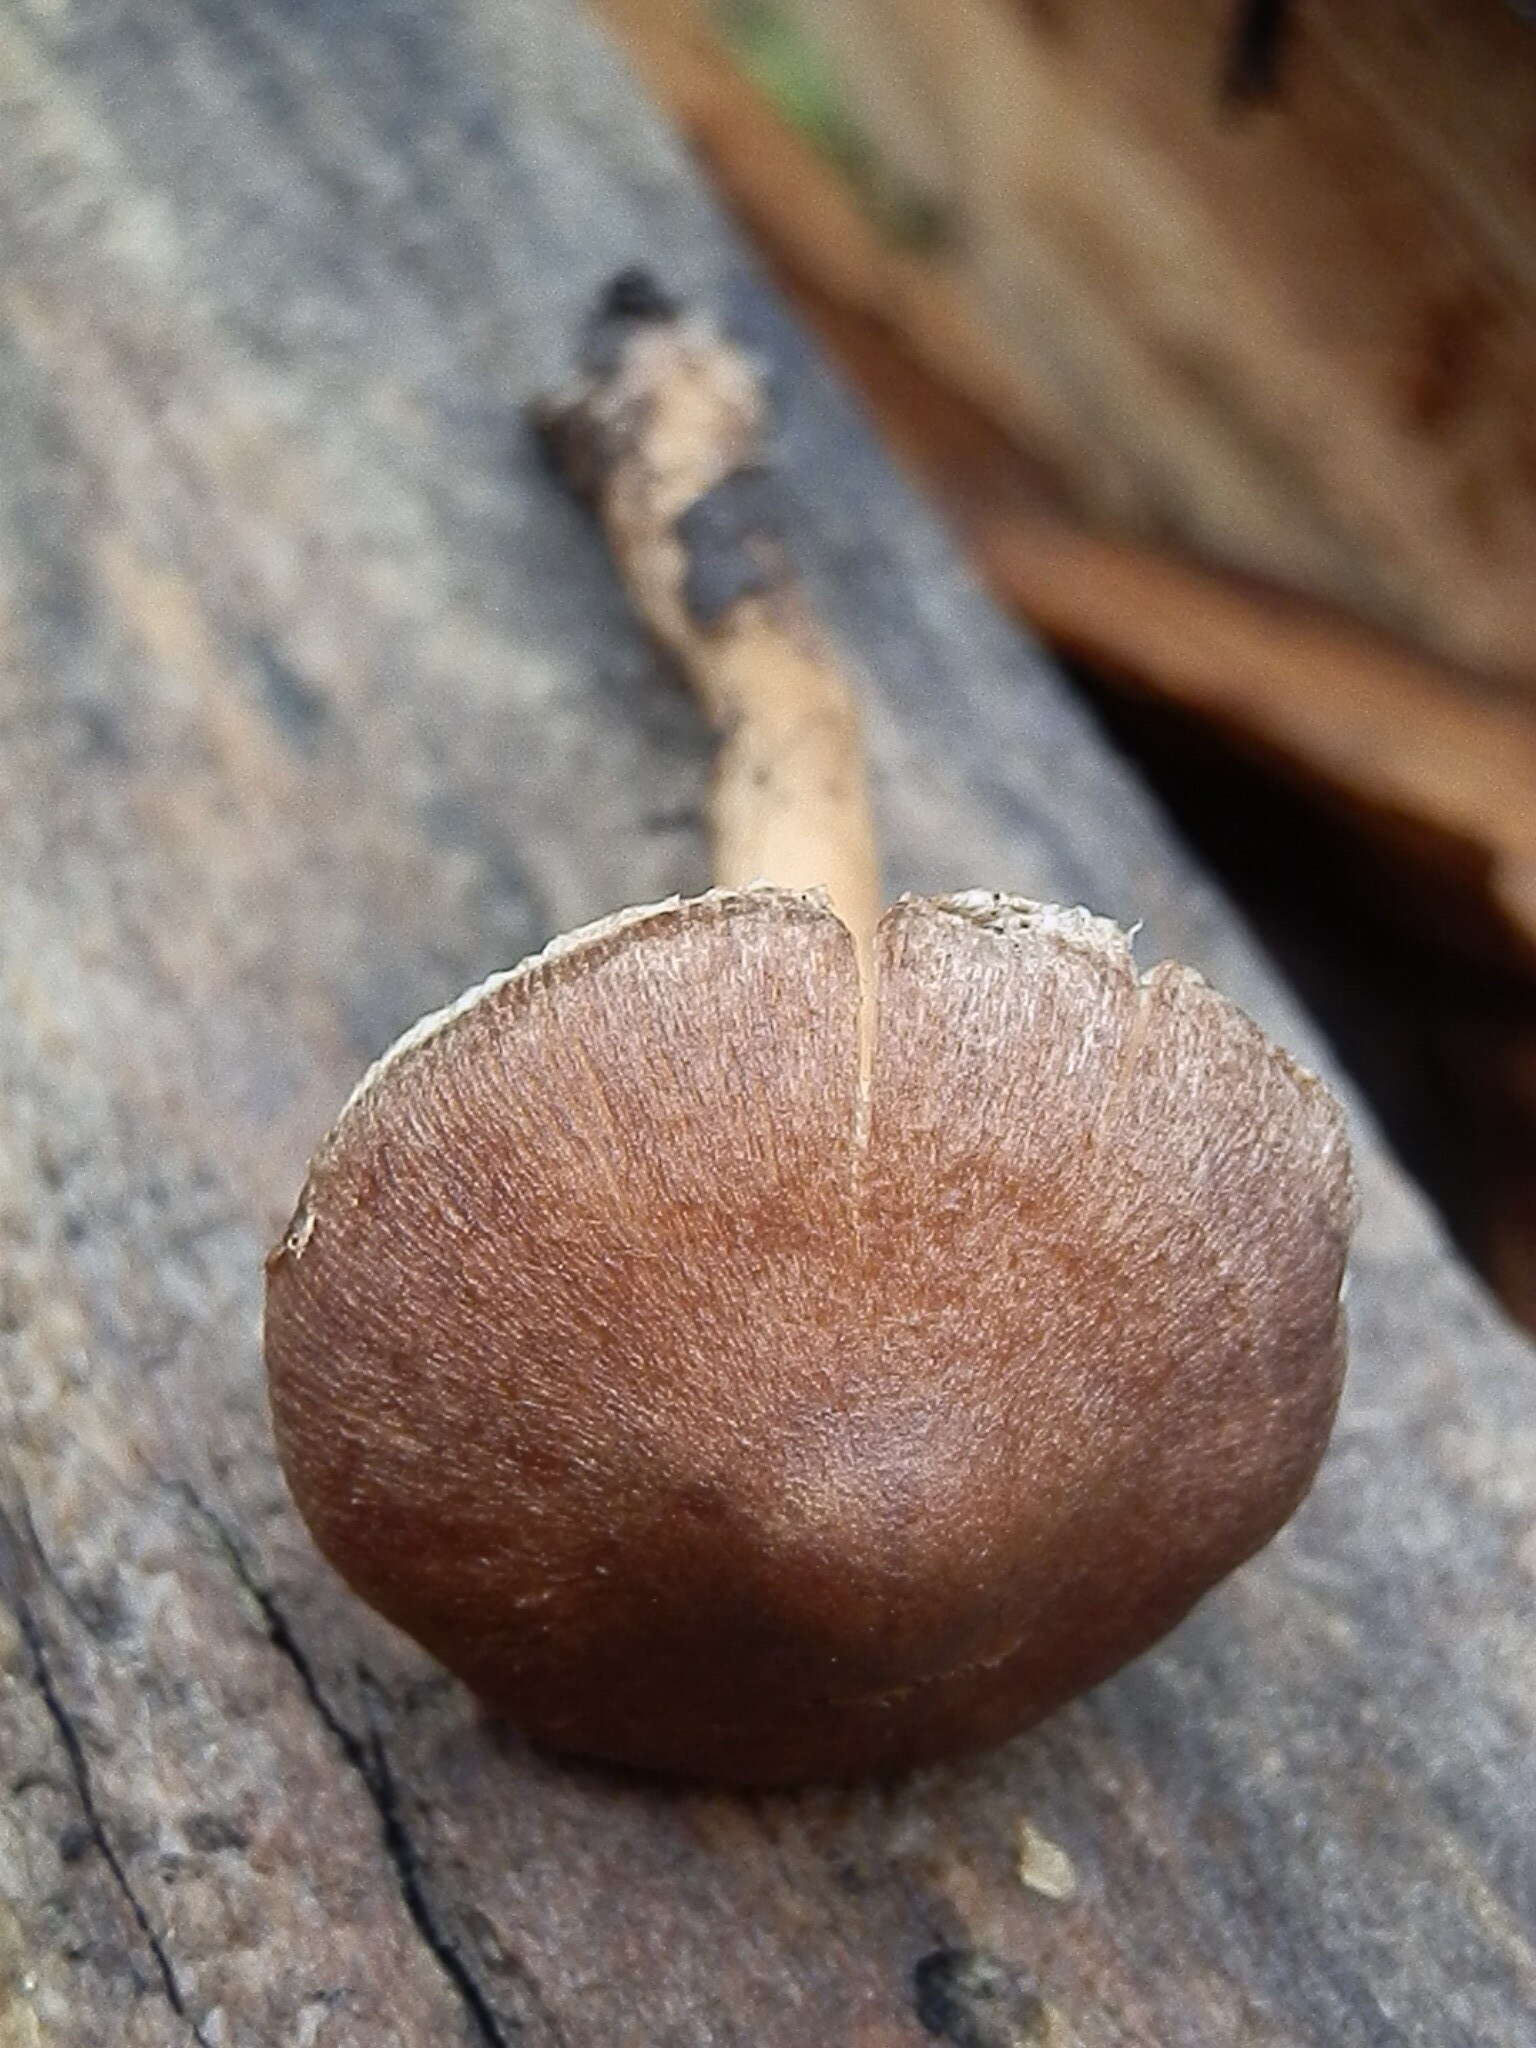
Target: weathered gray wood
<point>319,702</point>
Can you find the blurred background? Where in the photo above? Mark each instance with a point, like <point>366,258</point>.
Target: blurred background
<point>1211,328</point>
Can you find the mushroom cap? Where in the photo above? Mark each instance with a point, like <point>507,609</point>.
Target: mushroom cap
<point>708,1407</point>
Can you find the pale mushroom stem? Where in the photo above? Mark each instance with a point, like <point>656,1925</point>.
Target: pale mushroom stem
<point>663,429</point>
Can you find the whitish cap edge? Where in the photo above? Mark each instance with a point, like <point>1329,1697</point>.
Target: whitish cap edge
<point>429,1027</point>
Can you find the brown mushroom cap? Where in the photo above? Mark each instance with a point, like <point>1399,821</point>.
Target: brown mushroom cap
<point>705,1413</point>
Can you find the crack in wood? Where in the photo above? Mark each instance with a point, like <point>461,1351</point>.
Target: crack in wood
<point>369,1761</point>
<point>70,1740</point>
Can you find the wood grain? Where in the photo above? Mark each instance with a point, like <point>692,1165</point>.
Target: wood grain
<point>318,703</point>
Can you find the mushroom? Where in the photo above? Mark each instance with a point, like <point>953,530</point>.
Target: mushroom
<point>764,1340</point>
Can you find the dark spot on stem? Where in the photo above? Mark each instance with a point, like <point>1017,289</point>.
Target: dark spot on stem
<point>732,539</point>
<point>632,299</point>
<point>636,294</point>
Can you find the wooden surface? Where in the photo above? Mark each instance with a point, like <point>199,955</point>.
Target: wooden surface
<point>320,702</point>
